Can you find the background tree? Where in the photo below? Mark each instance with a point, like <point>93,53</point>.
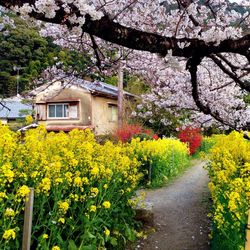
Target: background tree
<point>22,48</point>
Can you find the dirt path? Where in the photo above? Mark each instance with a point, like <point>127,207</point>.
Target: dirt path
<point>180,213</point>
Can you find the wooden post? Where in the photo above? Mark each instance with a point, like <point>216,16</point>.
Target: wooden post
<point>247,246</point>
<point>120,94</point>
<point>28,212</point>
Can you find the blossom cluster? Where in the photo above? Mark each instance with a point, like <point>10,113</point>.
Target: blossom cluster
<point>212,23</point>
<point>229,184</point>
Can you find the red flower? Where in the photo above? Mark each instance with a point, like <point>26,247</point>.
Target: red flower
<point>192,137</point>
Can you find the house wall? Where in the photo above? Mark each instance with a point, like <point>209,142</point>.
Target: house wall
<point>64,96</point>
<point>101,115</point>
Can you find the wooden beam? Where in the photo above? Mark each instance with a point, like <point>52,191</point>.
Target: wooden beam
<point>247,246</point>
<point>28,213</point>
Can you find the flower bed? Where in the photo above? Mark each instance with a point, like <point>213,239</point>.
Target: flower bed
<point>229,171</point>
<point>83,190</point>
<point>161,159</point>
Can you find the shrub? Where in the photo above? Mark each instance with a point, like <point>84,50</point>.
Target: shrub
<point>206,144</point>
<point>129,131</point>
<point>192,137</point>
<point>229,170</point>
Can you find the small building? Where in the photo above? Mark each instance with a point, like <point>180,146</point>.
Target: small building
<point>70,102</point>
<point>14,109</point>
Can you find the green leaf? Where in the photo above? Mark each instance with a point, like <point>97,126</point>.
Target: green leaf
<point>72,245</point>
<point>89,247</point>
<point>113,241</point>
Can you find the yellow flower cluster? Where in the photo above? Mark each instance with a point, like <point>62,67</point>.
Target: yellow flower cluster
<point>230,189</point>
<point>161,159</point>
<point>9,234</point>
<point>79,185</point>
<point>106,204</point>
<point>75,180</point>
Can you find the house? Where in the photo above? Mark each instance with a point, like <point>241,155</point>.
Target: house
<point>69,102</point>
<point>14,109</point>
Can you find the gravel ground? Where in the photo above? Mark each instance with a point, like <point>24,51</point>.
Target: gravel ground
<point>180,213</point>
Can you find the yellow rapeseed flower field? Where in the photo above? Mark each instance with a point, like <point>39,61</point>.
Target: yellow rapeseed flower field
<point>229,171</point>
<point>83,190</point>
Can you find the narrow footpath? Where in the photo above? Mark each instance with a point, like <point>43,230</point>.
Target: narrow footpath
<point>180,213</point>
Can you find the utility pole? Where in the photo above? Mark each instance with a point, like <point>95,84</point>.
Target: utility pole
<point>17,78</point>
<point>120,94</point>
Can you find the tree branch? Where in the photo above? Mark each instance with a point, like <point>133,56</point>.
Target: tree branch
<point>244,85</point>
<point>4,106</point>
<point>192,66</point>
<point>108,30</point>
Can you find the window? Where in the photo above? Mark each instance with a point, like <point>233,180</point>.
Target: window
<point>58,110</point>
<point>113,112</point>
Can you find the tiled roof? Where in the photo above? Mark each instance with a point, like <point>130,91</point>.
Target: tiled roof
<point>12,106</point>
<point>100,87</point>
<point>97,87</point>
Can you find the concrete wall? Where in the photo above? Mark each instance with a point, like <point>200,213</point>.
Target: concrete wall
<point>101,115</point>
<point>92,110</point>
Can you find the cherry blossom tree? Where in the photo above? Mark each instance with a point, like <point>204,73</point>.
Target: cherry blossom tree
<point>196,54</point>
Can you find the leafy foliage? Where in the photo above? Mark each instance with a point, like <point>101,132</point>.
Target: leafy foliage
<point>24,54</point>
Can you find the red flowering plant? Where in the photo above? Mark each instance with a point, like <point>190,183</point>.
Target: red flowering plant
<point>191,136</point>
<point>129,131</point>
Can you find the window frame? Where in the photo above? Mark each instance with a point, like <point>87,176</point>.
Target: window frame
<point>110,108</point>
<point>58,117</point>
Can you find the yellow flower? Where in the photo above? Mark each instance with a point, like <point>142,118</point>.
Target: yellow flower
<point>3,195</point>
<point>106,204</point>
<point>9,174</point>
<point>45,185</point>
<point>95,171</point>
<point>78,182</point>
<point>8,234</point>
<point>92,208</point>
<point>62,220</point>
<point>105,186</point>
<point>45,236</point>
<point>107,232</point>
<point>28,119</point>
<point>56,248</point>
<point>58,180</point>
<point>23,191</point>
<point>94,191</point>
<point>85,180</point>
<point>63,206</point>
<point>9,212</point>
